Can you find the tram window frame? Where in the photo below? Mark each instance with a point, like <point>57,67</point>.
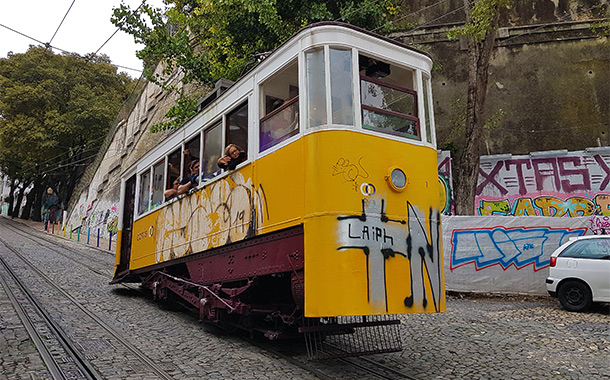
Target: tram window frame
<point>315,79</point>
<point>239,136</point>
<point>388,113</point>
<point>279,106</point>
<point>272,135</point>
<point>144,207</point>
<point>174,162</point>
<point>341,85</point>
<point>192,144</point>
<point>156,196</point>
<point>428,110</point>
<point>210,160</point>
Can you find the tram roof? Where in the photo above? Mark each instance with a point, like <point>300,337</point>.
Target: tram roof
<point>322,24</point>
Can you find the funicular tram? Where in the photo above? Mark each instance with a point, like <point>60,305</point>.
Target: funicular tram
<point>329,228</point>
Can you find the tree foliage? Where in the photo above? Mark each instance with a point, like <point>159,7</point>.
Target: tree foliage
<point>55,111</point>
<point>209,40</point>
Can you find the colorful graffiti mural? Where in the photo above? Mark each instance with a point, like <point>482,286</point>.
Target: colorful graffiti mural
<point>517,246</point>
<point>103,216</point>
<point>561,184</point>
<point>547,206</point>
<point>444,179</point>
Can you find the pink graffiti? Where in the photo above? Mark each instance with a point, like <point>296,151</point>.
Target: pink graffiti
<point>565,174</point>
<point>600,225</point>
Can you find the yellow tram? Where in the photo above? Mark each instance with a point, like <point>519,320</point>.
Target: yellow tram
<point>335,210</point>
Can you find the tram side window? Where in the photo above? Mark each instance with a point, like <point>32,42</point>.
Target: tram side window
<point>157,183</point>
<point>427,109</point>
<point>144,196</point>
<point>280,107</point>
<point>173,168</point>
<point>389,104</point>
<point>237,127</point>
<point>191,153</point>
<point>212,150</point>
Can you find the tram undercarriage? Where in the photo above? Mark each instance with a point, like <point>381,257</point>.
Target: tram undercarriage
<point>257,286</point>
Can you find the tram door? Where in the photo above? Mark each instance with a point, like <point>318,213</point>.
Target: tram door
<point>128,211</point>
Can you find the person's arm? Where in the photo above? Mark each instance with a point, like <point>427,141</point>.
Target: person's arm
<point>223,162</point>
<point>170,193</point>
<point>184,188</point>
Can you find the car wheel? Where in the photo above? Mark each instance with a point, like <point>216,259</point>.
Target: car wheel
<point>574,296</point>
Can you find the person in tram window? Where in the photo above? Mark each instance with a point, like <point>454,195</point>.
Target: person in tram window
<point>234,155</point>
<point>172,191</point>
<point>192,180</point>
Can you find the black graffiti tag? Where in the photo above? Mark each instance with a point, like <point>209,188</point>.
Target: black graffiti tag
<point>387,240</point>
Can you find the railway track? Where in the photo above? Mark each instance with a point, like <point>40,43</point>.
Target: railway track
<point>330,369</point>
<point>58,353</point>
<point>92,262</point>
<point>294,353</point>
<point>67,355</point>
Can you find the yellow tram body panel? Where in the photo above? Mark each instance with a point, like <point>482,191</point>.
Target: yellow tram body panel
<point>357,228</point>
<point>363,239</point>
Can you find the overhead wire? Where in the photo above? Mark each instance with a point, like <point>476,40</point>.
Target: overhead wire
<point>413,13</point>
<point>61,23</point>
<point>48,45</point>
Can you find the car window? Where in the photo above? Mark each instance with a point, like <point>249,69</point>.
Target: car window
<point>589,249</point>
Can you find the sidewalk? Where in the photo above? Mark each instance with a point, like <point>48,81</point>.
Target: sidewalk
<point>57,231</point>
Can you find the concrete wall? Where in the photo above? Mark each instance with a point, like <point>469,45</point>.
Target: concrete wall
<point>96,205</point>
<point>549,76</point>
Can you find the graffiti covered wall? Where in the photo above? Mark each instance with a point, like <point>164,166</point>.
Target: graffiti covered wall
<point>445,182</point>
<point>555,183</point>
<point>500,254</point>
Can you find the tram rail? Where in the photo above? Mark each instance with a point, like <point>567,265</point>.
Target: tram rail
<point>82,367</point>
<point>325,369</point>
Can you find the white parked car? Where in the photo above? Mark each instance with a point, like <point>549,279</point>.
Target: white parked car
<point>580,272</point>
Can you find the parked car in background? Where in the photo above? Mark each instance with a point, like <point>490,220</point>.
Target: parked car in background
<point>580,272</point>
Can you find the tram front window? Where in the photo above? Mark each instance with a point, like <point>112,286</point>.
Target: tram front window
<point>342,101</point>
<point>388,109</point>
<point>316,87</point>
<point>389,104</point>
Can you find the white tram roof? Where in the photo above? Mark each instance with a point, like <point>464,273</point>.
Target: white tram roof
<point>315,35</point>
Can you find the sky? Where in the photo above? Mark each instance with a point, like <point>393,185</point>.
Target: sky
<point>85,29</point>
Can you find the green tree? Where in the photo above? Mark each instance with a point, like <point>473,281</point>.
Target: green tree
<point>207,40</point>
<point>55,111</point>
<point>482,21</point>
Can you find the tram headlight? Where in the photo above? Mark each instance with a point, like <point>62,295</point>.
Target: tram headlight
<point>396,178</point>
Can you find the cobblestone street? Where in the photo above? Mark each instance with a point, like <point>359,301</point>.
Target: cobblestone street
<point>509,337</point>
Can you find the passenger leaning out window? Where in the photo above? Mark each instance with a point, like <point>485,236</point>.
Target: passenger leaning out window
<point>234,155</point>
<point>192,180</point>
